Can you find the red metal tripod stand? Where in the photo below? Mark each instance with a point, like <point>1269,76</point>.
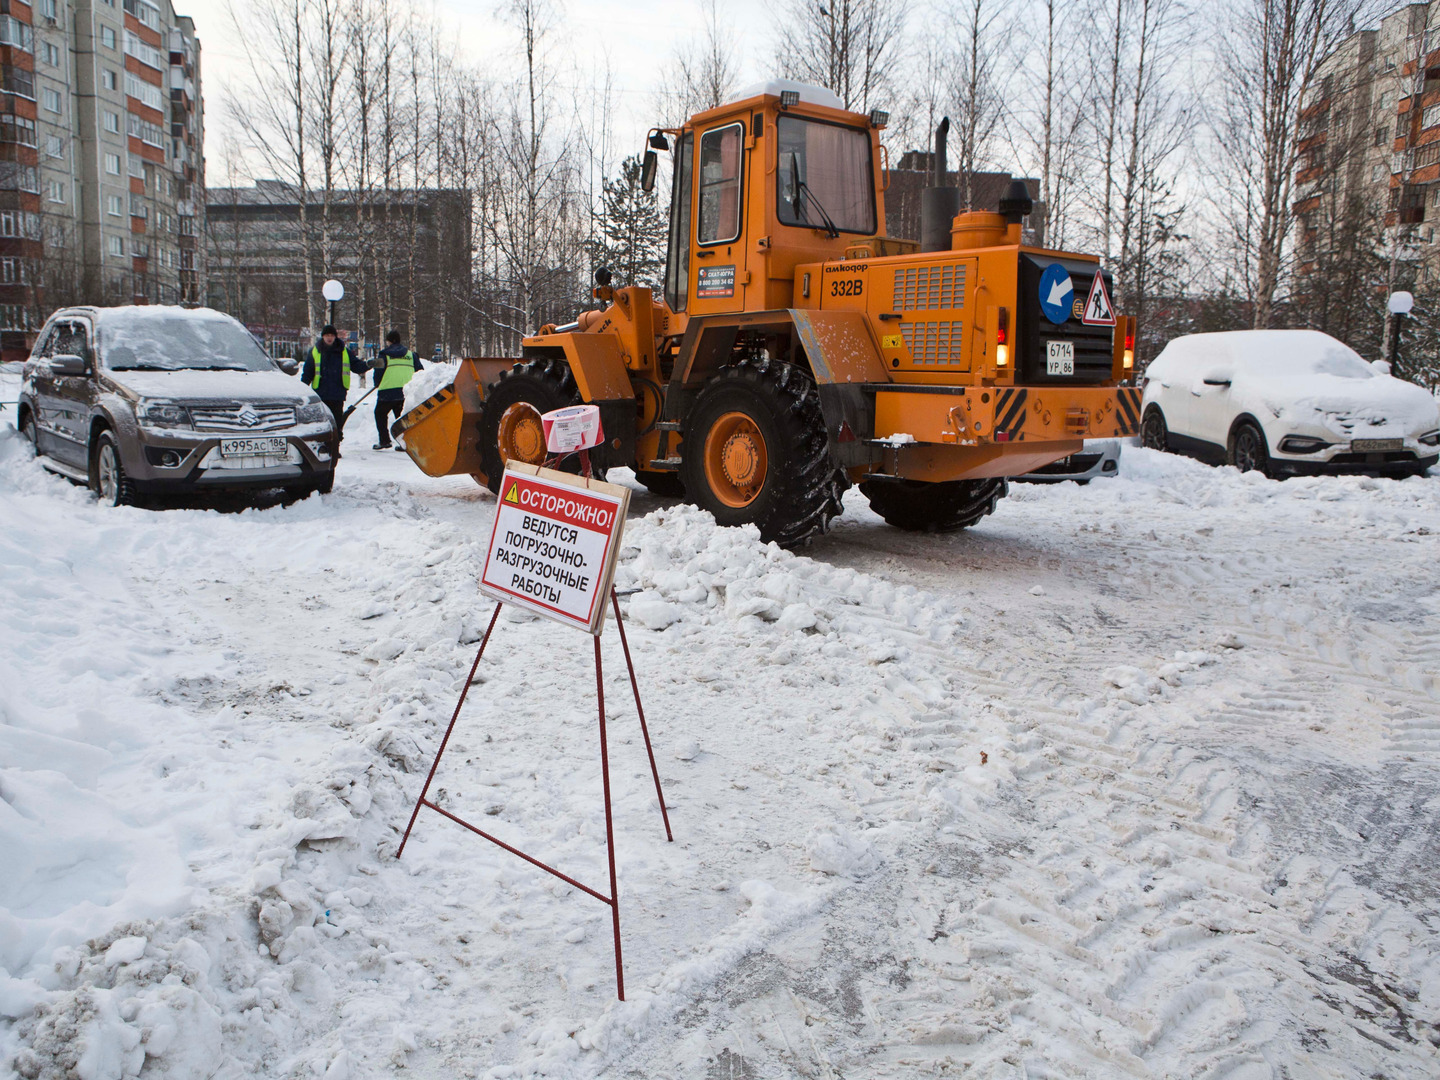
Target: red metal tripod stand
<point>614,898</point>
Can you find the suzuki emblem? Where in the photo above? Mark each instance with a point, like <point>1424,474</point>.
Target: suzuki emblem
<point>248,416</point>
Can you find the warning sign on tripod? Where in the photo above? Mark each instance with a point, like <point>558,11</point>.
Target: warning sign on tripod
<point>554,544</point>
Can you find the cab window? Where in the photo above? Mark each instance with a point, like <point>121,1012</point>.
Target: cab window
<point>677,261</point>
<point>720,184</point>
<point>825,175</point>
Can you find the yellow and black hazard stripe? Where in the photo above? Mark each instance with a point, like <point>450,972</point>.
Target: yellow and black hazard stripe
<point>1010,409</point>
<point>1128,413</point>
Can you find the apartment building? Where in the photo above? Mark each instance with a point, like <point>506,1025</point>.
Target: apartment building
<point>101,159</point>
<point>1370,141</point>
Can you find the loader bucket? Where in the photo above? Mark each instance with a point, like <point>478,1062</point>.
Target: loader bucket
<point>441,434</point>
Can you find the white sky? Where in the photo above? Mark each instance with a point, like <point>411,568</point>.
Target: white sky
<point>638,38</point>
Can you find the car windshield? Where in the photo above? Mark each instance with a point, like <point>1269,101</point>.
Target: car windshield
<point>1337,361</point>
<point>137,340</point>
<point>834,172</point>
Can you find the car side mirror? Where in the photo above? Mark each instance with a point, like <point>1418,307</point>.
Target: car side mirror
<point>68,364</point>
<point>288,366</point>
<point>647,171</point>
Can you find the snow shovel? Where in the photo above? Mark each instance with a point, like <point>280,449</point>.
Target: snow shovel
<point>345,416</point>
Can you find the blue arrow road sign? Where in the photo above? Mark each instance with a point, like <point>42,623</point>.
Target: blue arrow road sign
<point>1056,293</point>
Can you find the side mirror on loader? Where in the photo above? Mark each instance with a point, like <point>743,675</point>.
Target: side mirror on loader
<point>647,171</point>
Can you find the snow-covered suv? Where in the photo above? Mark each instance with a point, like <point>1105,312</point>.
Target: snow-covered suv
<point>1286,402</point>
<point>132,400</point>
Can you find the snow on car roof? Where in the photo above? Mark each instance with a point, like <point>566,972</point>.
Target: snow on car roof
<point>1278,353</point>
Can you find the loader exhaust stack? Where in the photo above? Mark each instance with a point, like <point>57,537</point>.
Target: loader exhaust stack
<point>940,202</point>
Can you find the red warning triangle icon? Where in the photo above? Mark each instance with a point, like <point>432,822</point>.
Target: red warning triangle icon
<point>1098,309</point>
<point>513,496</point>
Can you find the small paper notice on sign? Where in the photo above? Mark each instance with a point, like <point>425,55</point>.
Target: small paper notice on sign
<point>554,544</point>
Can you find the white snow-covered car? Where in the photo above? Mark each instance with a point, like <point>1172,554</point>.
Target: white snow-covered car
<point>1100,457</point>
<point>1286,402</point>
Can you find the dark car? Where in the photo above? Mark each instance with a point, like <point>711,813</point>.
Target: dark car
<point>152,400</point>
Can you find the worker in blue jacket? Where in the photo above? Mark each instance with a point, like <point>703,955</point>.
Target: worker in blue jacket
<point>327,372</point>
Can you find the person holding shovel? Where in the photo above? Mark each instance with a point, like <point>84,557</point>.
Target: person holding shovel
<point>394,367</point>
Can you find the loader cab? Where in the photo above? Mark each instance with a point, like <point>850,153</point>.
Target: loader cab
<point>781,176</point>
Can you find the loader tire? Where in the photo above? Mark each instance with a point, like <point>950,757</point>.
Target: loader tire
<point>755,452</point>
<point>918,506</point>
<point>511,415</point>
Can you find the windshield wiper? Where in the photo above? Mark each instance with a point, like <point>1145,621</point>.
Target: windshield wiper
<point>141,367</point>
<point>802,190</point>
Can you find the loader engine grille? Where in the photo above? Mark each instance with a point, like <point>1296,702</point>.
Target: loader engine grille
<point>930,288</point>
<point>937,342</point>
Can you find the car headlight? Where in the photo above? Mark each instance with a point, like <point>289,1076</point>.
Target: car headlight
<point>1431,438</point>
<point>1302,444</point>
<point>162,414</point>
<point>314,413</point>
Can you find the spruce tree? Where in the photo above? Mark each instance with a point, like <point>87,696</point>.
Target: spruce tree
<point>633,230</point>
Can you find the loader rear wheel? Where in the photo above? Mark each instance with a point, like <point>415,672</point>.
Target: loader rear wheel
<point>510,427</point>
<point>755,451</point>
<point>924,507</point>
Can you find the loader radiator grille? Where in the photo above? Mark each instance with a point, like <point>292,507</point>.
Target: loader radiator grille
<point>930,288</point>
<point>933,342</point>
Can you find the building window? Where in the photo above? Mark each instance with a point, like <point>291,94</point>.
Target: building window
<point>17,177</point>
<point>147,13</point>
<point>16,34</point>
<point>112,123</point>
<point>107,36</point>
<point>112,164</point>
<point>115,206</point>
<point>144,92</point>
<point>145,131</point>
<point>137,167</point>
<point>1430,117</point>
<point>1378,173</point>
<point>55,146</point>
<point>117,246</point>
<point>47,8</point>
<point>138,209</point>
<point>108,79</point>
<point>17,129</point>
<point>12,271</point>
<point>14,317</point>
<point>57,191</point>
<point>52,99</point>
<point>146,54</point>
<point>50,53</point>
<point>19,223</point>
<point>18,81</point>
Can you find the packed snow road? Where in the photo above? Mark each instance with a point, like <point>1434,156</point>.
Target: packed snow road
<point>1131,780</point>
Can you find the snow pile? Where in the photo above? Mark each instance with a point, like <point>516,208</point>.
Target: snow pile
<point>429,381</point>
<point>923,816</point>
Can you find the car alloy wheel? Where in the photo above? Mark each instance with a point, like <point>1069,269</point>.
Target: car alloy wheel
<point>1248,452</point>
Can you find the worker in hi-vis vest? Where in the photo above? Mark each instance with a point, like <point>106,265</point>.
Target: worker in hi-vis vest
<point>394,367</point>
<point>327,372</point>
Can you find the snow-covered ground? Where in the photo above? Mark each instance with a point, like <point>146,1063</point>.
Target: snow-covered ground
<point>1137,779</point>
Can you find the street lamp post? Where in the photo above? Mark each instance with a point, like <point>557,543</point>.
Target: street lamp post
<point>334,292</point>
<point>1399,305</point>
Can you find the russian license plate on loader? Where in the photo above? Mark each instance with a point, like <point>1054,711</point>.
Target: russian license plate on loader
<point>1059,358</point>
<point>263,447</point>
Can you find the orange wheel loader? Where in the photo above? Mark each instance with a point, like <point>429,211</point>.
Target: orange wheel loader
<point>798,350</point>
